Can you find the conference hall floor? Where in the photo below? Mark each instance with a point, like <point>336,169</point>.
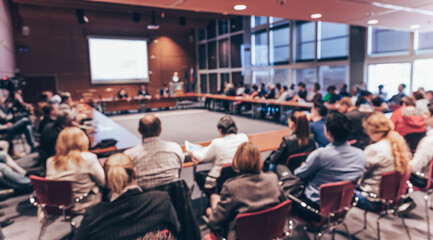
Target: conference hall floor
<point>200,125</point>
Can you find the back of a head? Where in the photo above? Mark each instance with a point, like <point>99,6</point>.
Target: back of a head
<point>255,87</point>
<point>301,84</point>
<point>285,88</point>
<point>321,109</point>
<point>339,126</point>
<point>278,86</point>
<point>47,109</point>
<point>65,96</point>
<point>227,125</point>
<point>317,86</point>
<point>149,126</point>
<point>331,88</point>
<point>346,101</point>
<point>407,101</point>
<point>418,95</point>
<point>119,171</point>
<point>343,87</point>
<point>302,127</point>
<point>65,118</point>
<point>71,142</point>
<point>247,159</point>
<point>378,127</point>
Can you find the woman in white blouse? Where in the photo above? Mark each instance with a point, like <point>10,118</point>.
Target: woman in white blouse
<point>74,163</point>
<point>219,152</point>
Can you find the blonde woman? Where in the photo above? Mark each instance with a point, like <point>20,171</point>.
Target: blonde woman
<point>74,163</point>
<point>252,190</point>
<point>130,213</point>
<point>389,152</point>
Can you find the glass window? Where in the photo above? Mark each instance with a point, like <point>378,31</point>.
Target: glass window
<point>223,27</point>
<point>384,41</point>
<point>237,78</point>
<point>422,74</point>
<point>307,76</point>
<point>275,19</point>
<point>237,43</point>
<point>424,41</point>
<point>202,56</point>
<point>333,40</point>
<point>213,83</point>
<point>304,39</point>
<point>201,34</point>
<point>390,75</point>
<point>260,48</point>
<point>224,53</point>
<point>257,21</point>
<point>212,55</point>
<point>211,29</point>
<point>225,77</point>
<point>203,83</point>
<point>280,76</point>
<point>236,24</point>
<point>260,77</point>
<point>333,76</point>
<point>279,37</point>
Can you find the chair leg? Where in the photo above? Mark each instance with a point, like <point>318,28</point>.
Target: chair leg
<point>43,228</point>
<point>365,220</point>
<point>426,197</point>
<point>333,234</point>
<point>405,227</point>
<point>73,228</point>
<point>347,231</point>
<point>378,225</point>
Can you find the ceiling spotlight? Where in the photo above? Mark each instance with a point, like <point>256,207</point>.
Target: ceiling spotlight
<point>81,17</point>
<point>416,26</point>
<point>316,15</point>
<point>153,25</point>
<point>240,7</point>
<point>136,17</point>
<point>373,21</point>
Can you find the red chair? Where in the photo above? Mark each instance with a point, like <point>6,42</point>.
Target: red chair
<point>295,160</point>
<point>263,225</point>
<point>54,198</point>
<point>394,187</point>
<point>428,189</point>
<point>413,139</point>
<point>335,202</point>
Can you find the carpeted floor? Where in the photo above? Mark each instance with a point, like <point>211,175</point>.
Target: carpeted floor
<point>200,125</point>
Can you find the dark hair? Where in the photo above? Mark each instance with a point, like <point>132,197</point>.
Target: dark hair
<point>338,125</point>
<point>317,86</point>
<point>47,109</point>
<point>403,85</point>
<point>380,86</point>
<point>292,86</point>
<point>64,97</point>
<point>43,97</point>
<point>407,100</point>
<point>262,85</point>
<point>366,93</point>
<point>65,117</point>
<point>255,87</point>
<point>331,88</point>
<point>227,125</point>
<point>301,84</point>
<point>321,109</point>
<point>302,127</point>
<point>418,96</point>
<point>285,88</point>
<point>430,108</point>
<point>278,86</point>
<point>344,86</point>
<point>149,126</point>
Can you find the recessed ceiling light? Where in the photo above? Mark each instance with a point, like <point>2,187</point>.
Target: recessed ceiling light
<point>240,7</point>
<point>416,26</point>
<point>373,21</point>
<point>316,15</point>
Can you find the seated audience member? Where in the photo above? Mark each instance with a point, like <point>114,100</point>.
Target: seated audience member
<point>355,116</point>
<point>253,190</point>
<point>317,124</point>
<point>389,152</point>
<point>122,94</point>
<point>19,102</point>
<point>254,92</point>
<point>219,152</point>
<point>240,90</point>
<point>396,98</point>
<point>302,91</point>
<point>262,90</point>
<point>317,95</point>
<point>429,96</point>
<point>278,90</point>
<point>230,90</point>
<point>143,92</point>
<point>157,161</point>
<point>284,93</point>
<point>66,103</point>
<point>336,162</point>
<point>11,129</point>
<point>407,119</point>
<point>343,91</point>
<point>271,92</point>
<point>51,131</point>
<point>247,89</point>
<point>424,154</point>
<point>292,92</point>
<point>420,102</point>
<point>299,141</point>
<point>381,94</point>
<point>164,91</point>
<point>372,100</point>
<point>50,115</point>
<point>356,91</point>
<point>73,162</point>
<point>12,175</point>
<point>331,97</point>
<point>130,213</point>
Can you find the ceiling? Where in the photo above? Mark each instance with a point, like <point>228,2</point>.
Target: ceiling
<point>396,14</point>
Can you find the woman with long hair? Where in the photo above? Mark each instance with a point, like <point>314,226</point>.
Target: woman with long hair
<point>73,162</point>
<point>299,141</point>
<point>389,152</point>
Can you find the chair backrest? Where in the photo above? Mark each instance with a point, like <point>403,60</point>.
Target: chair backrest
<point>295,160</point>
<point>393,186</point>
<point>226,173</point>
<point>336,198</point>
<point>430,176</point>
<point>413,139</point>
<point>52,194</point>
<point>263,225</point>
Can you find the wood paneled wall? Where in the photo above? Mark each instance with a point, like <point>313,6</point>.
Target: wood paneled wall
<point>58,45</point>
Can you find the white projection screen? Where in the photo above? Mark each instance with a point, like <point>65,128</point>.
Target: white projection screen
<point>118,60</point>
